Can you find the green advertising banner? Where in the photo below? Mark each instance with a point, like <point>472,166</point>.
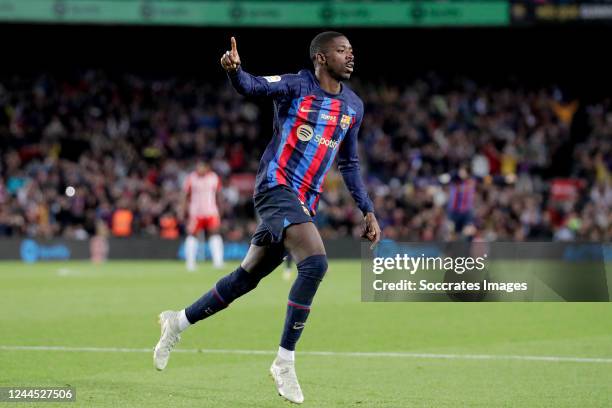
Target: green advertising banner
<point>258,13</point>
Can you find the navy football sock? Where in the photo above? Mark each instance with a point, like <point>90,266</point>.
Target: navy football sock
<point>310,273</point>
<point>221,295</point>
<point>234,285</point>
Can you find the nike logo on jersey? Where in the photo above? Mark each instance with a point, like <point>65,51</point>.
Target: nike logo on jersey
<point>306,110</point>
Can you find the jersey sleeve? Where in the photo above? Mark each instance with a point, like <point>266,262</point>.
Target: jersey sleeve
<point>348,165</point>
<point>275,86</point>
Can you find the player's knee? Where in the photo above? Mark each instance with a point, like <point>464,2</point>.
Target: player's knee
<point>263,265</point>
<point>314,267</point>
<point>310,274</point>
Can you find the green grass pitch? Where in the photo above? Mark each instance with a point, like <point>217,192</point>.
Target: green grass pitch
<point>76,305</point>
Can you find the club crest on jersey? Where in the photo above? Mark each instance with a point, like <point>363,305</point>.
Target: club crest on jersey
<point>305,132</point>
<point>345,122</point>
<point>272,78</point>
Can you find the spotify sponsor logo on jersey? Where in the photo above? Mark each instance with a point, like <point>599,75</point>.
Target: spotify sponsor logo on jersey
<point>306,132</point>
<point>332,144</point>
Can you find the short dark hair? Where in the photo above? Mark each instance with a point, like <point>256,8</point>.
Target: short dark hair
<point>320,41</point>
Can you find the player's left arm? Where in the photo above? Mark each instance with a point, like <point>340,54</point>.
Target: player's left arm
<point>348,165</point>
<point>219,197</point>
<point>251,85</point>
<point>185,200</point>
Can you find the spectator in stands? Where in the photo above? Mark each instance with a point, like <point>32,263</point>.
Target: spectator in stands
<point>126,143</point>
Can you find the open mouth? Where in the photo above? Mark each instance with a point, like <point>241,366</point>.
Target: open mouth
<point>349,67</point>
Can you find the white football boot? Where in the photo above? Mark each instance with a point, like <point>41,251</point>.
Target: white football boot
<point>283,373</point>
<point>170,335</point>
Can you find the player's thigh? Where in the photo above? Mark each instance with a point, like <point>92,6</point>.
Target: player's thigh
<point>262,260</point>
<point>195,225</point>
<point>212,225</point>
<point>303,240</point>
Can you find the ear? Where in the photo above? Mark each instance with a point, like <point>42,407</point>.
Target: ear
<point>321,58</point>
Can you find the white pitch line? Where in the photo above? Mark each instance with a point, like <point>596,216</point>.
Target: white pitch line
<point>68,272</point>
<point>566,359</point>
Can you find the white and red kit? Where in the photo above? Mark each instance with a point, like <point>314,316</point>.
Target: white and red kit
<point>202,194</point>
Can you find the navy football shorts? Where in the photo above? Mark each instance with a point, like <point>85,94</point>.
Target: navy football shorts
<point>461,219</point>
<point>278,208</point>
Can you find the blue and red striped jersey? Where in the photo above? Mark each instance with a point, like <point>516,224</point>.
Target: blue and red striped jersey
<point>461,196</point>
<point>311,126</point>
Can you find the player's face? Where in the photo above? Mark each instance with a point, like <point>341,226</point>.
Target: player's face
<point>340,58</point>
<point>202,168</point>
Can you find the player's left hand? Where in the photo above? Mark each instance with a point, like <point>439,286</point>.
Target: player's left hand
<point>371,229</point>
<point>230,61</point>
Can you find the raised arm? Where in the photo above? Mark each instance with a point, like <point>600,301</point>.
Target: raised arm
<point>251,85</point>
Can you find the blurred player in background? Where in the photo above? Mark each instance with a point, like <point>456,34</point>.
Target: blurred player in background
<point>288,271</point>
<point>460,207</point>
<point>316,117</point>
<point>462,194</point>
<point>202,214</point>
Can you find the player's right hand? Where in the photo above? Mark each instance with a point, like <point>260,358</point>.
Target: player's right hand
<point>230,61</point>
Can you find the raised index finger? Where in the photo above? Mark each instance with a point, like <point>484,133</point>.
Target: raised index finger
<point>234,48</point>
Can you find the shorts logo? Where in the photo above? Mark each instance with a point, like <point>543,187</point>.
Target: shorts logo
<point>345,122</point>
<point>305,210</point>
<point>305,132</point>
<point>272,78</point>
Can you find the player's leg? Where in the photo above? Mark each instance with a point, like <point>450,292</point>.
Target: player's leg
<point>257,264</point>
<point>306,247</point>
<point>215,241</point>
<point>191,243</point>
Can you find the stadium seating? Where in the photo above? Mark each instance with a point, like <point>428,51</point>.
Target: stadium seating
<point>542,163</point>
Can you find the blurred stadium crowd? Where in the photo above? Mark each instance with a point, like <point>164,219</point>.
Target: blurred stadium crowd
<point>509,159</point>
